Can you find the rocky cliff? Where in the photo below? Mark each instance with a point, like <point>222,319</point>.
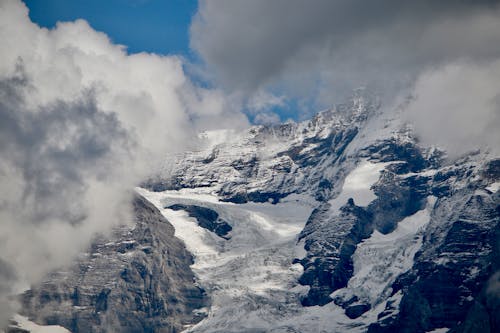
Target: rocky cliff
<point>137,280</point>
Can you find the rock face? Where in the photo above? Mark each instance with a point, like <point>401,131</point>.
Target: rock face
<point>330,242</point>
<point>459,255</point>
<point>138,280</point>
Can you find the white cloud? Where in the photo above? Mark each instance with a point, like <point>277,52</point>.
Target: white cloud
<point>81,122</point>
<point>457,107</point>
<point>263,101</point>
<point>266,118</point>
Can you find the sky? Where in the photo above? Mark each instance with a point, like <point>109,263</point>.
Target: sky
<point>156,26</point>
<point>92,105</point>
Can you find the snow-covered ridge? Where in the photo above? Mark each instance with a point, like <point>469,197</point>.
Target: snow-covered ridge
<point>268,161</point>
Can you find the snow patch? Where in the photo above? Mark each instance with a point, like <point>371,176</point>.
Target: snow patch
<point>358,184</point>
<point>439,330</point>
<point>493,187</point>
<point>26,324</point>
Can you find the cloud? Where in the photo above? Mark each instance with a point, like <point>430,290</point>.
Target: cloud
<point>266,118</point>
<point>263,100</point>
<point>81,123</point>
<point>458,107</point>
<point>248,44</point>
<point>317,52</point>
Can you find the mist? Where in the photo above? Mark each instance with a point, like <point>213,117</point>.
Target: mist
<point>457,108</point>
<point>81,123</point>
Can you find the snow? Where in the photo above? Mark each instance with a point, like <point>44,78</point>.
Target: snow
<point>439,330</point>
<point>493,187</point>
<point>427,173</point>
<point>215,137</point>
<point>25,323</point>
<point>202,194</point>
<point>357,185</point>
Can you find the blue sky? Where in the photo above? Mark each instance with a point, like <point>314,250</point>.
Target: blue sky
<point>159,26</point>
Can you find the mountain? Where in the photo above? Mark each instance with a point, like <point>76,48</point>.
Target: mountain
<point>343,223</point>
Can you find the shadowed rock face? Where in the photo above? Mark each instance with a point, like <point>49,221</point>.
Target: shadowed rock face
<point>330,240</point>
<point>450,284</point>
<point>137,280</point>
<point>330,243</point>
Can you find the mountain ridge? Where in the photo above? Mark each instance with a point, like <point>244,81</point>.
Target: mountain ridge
<point>344,222</point>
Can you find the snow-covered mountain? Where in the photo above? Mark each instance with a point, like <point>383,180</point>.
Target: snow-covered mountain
<point>343,223</point>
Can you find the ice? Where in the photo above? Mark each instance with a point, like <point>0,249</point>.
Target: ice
<point>250,277</point>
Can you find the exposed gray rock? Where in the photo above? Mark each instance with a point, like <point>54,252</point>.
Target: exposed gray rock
<point>137,280</point>
<point>354,311</point>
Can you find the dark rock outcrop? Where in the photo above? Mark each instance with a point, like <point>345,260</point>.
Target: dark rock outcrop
<point>328,265</point>
<point>331,239</point>
<point>207,218</point>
